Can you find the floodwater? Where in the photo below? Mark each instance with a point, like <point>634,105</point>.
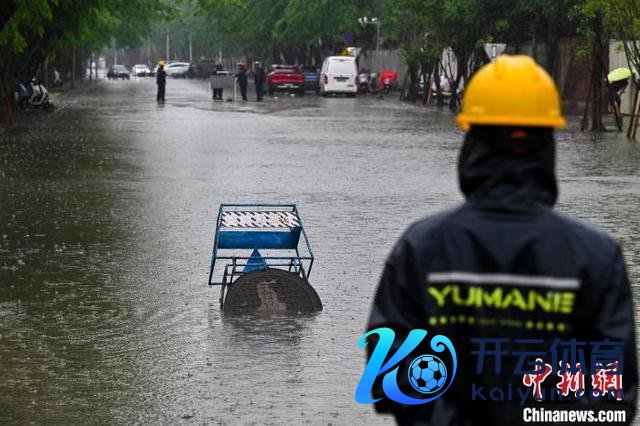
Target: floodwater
<point>107,212</point>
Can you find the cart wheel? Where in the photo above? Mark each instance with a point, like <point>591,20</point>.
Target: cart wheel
<point>271,291</point>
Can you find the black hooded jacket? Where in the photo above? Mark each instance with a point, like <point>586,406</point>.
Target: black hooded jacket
<point>161,77</point>
<point>504,265</point>
<point>259,76</point>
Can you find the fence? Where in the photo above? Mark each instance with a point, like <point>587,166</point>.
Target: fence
<point>204,67</point>
<point>388,59</point>
<point>221,81</point>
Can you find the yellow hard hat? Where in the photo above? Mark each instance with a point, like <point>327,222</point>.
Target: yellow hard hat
<point>161,63</point>
<point>511,91</point>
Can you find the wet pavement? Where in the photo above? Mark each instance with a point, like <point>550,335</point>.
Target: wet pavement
<point>107,216</point>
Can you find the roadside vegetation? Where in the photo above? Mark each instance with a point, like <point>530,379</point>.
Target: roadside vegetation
<point>35,34</point>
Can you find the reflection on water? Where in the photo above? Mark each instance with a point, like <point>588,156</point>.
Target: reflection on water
<point>106,226</point>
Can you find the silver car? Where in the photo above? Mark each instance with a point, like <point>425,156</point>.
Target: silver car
<point>178,69</point>
<point>140,70</point>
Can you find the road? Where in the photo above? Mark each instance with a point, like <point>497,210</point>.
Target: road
<point>106,228</point>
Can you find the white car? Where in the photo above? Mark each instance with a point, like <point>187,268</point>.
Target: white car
<point>177,69</point>
<point>339,74</point>
<point>140,70</point>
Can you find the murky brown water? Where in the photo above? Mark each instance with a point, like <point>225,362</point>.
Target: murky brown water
<point>107,211</point>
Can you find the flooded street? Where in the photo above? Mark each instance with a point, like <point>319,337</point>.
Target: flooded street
<point>107,221</point>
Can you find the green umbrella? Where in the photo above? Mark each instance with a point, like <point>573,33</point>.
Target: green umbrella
<point>619,74</point>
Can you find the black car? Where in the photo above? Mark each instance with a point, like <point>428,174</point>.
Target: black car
<point>119,71</point>
<point>311,77</point>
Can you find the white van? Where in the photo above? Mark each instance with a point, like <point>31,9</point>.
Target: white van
<point>339,75</point>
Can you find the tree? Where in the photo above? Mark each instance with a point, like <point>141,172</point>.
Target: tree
<point>595,35</point>
<point>408,27</point>
<point>462,26</point>
<point>34,32</point>
<point>623,19</point>
<point>294,31</point>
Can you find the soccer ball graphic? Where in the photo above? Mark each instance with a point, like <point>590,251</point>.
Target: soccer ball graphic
<point>427,374</point>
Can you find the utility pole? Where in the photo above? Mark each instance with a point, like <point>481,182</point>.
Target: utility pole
<point>374,21</point>
<point>190,48</point>
<point>148,51</point>
<point>167,44</point>
<point>73,65</point>
<point>115,53</point>
<point>377,22</point>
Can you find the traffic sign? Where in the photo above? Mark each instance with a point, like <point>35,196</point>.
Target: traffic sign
<point>494,49</point>
<point>348,38</point>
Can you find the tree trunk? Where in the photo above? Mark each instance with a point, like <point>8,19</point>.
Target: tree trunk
<point>453,100</point>
<point>436,79</point>
<point>598,75</point>
<point>552,42</point>
<point>6,89</point>
<point>412,76</point>
<point>7,105</point>
<point>426,80</point>
<point>463,70</point>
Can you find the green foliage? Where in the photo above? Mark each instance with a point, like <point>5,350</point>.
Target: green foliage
<point>21,19</point>
<point>418,27</point>
<point>622,21</point>
<point>293,29</point>
<point>57,24</point>
<point>34,32</point>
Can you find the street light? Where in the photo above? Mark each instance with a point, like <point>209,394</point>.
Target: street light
<point>364,21</point>
<point>168,45</point>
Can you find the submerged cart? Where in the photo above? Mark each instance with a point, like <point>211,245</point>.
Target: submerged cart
<point>262,260</point>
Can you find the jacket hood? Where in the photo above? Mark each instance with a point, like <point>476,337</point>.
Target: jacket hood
<point>508,167</point>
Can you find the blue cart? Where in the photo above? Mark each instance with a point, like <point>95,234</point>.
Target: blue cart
<point>262,260</point>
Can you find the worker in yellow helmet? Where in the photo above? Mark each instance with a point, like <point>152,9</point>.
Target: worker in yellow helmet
<point>512,91</point>
<point>161,81</point>
<point>507,286</point>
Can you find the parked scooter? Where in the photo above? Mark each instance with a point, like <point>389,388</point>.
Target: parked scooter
<point>38,95</point>
<point>364,82</point>
<point>373,78</point>
<point>388,80</point>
